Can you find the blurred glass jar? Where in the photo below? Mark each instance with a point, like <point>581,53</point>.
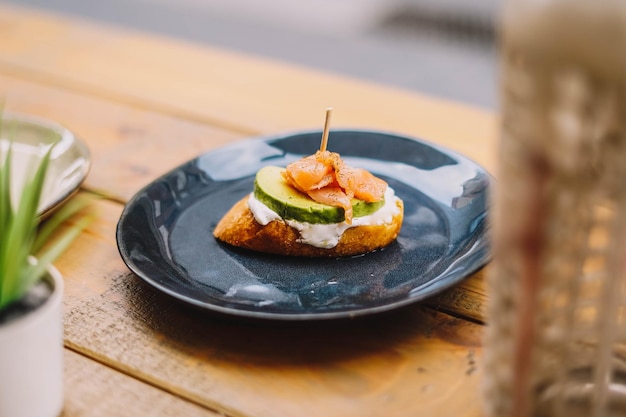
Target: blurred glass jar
<point>556,334</point>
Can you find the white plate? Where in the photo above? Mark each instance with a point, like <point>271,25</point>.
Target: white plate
<point>69,162</point>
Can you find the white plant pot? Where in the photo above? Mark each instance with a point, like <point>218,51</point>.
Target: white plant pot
<point>31,358</point>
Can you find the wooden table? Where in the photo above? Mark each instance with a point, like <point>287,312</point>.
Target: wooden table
<point>146,104</point>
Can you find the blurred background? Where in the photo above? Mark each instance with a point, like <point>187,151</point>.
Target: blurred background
<point>443,48</point>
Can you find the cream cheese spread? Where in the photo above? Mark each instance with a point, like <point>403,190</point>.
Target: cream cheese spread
<point>326,235</point>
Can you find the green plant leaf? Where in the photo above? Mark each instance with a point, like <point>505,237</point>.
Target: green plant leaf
<point>5,188</point>
<point>67,211</point>
<point>22,231</point>
<point>5,218</point>
<point>22,234</point>
<point>52,252</point>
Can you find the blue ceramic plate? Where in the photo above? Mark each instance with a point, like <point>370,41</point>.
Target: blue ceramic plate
<point>164,234</point>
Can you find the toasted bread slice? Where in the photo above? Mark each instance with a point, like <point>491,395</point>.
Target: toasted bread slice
<point>239,228</point>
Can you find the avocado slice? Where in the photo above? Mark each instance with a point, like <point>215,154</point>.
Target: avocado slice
<point>272,190</point>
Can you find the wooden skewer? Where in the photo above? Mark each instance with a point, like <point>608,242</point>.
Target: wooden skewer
<point>326,129</point>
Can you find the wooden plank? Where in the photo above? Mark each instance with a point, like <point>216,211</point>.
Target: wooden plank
<point>129,146</point>
<point>412,361</point>
<point>222,88</point>
<point>95,390</point>
<point>467,299</point>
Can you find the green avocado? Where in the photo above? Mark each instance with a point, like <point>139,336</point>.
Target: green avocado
<point>272,190</point>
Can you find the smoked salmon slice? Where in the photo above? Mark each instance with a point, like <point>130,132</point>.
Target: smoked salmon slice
<point>308,174</point>
<point>368,187</point>
<point>334,196</point>
<point>325,178</point>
